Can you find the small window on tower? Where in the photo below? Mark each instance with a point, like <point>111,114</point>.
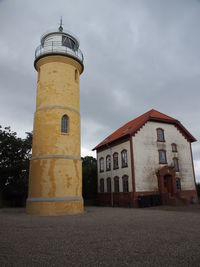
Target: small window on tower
<point>64,124</point>
<point>76,75</point>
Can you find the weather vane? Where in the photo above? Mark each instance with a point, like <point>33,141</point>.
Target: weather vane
<point>61,25</point>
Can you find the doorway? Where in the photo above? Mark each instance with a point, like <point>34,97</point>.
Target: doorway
<point>168,186</point>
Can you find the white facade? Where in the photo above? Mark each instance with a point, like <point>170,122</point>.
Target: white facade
<point>146,158</point>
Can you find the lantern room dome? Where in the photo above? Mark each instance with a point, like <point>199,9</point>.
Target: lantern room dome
<point>59,42</point>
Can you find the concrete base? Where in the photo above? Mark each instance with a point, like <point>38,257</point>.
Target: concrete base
<point>54,208</point>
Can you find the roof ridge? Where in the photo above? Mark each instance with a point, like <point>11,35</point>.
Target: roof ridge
<point>133,125</point>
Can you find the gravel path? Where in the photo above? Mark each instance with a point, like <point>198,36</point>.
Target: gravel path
<point>161,236</point>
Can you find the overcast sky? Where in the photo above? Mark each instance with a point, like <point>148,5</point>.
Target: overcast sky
<point>138,55</point>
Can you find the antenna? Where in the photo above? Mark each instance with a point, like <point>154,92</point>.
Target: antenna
<point>61,25</point>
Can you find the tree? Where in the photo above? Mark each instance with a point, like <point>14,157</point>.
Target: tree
<point>14,164</point>
<point>89,168</point>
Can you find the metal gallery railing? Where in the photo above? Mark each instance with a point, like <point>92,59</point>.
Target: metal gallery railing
<point>57,47</point>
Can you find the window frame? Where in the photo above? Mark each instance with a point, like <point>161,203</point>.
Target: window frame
<point>174,147</point>
<point>65,128</point>
<point>100,165</point>
<point>68,42</point>
<point>178,184</point>
<point>108,168</point>
<point>116,179</point>
<point>101,186</point>
<point>124,179</point>
<point>124,165</point>
<point>176,168</point>
<point>163,135</point>
<point>109,185</point>
<point>114,166</point>
<point>159,151</point>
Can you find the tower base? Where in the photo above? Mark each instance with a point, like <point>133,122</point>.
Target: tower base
<point>54,208</point>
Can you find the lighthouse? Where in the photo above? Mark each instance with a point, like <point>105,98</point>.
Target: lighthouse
<point>55,178</point>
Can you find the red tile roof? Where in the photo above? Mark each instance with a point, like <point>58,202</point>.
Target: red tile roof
<point>134,125</point>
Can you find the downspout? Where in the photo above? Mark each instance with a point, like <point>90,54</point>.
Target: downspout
<point>132,166</point>
<point>111,174</point>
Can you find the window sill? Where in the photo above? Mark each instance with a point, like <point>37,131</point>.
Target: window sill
<point>125,166</point>
<point>116,168</point>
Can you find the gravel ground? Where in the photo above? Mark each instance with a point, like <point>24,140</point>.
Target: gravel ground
<point>161,236</point>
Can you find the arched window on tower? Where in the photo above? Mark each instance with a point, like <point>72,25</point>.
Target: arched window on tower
<point>75,75</point>
<point>64,124</point>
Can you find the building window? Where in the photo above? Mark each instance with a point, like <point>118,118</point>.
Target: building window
<point>108,163</point>
<point>174,147</point>
<point>116,184</point>
<point>125,183</point>
<point>160,135</point>
<point>101,164</point>
<point>101,185</point>
<point>124,158</point>
<point>162,157</point>
<point>178,184</point>
<point>115,161</point>
<point>75,75</point>
<point>176,165</point>
<point>108,185</point>
<point>64,124</point>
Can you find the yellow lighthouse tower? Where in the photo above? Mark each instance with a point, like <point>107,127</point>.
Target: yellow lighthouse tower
<point>55,180</point>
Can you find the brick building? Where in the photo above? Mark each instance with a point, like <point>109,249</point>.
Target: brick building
<point>148,157</point>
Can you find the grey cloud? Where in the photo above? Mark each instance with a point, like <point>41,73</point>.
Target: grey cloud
<point>138,55</point>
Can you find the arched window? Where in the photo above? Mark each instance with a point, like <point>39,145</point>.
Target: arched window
<point>108,185</point>
<point>162,157</point>
<point>125,183</point>
<point>108,163</point>
<point>115,161</point>
<point>174,147</point>
<point>64,124</point>
<point>160,135</point>
<point>178,184</point>
<point>116,184</point>
<point>176,165</point>
<point>102,185</point>
<point>124,158</point>
<point>101,164</point>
